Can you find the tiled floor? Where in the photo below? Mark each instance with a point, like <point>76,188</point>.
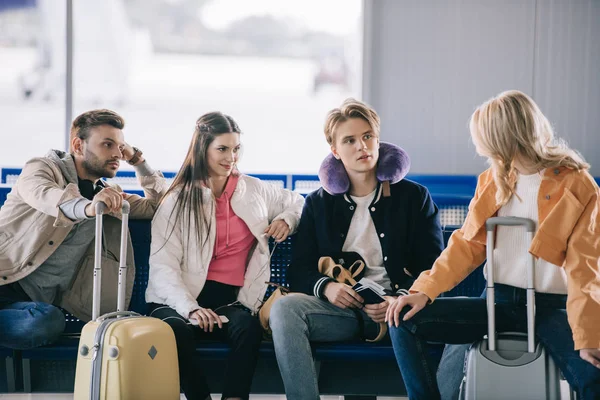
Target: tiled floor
<point>54,396</point>
<point>65,396</point>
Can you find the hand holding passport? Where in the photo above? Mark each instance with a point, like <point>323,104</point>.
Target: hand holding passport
<point>370,291</point>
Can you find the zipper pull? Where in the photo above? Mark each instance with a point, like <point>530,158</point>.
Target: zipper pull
<point>95,348</point>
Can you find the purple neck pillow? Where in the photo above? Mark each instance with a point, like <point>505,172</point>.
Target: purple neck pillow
<point>392,166</point>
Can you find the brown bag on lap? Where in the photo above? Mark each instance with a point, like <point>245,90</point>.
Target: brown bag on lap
<point>327,266</point>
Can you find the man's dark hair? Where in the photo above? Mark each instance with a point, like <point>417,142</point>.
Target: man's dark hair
<point>89,119</point>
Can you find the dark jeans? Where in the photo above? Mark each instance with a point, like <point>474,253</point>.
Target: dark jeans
<point>464,320</point>
<point>243,333</point>
<point>25,324</point>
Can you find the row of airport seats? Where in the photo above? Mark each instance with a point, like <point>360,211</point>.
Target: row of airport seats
<point>353,369</point>
<point>350,369</point>
<point>451,193</point>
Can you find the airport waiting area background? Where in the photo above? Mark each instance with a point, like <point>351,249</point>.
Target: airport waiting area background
<point>277,69</point>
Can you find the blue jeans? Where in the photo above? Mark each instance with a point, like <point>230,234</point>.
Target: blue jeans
<point>464,320</point>
<point>25,324</point>
<point>296,320</point>
<point>450,371</point>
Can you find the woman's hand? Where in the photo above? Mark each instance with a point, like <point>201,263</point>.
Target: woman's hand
<point>416,302</point>
<point>279,230</point>
<point>591,355</point>
<point>206,318</point>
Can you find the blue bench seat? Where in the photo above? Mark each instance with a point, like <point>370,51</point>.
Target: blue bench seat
<point>51,368</point>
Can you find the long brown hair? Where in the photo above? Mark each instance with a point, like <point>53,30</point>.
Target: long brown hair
<point>193,174</point>
<point>511,126</point>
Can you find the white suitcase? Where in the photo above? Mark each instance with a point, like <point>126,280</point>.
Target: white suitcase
<point>123,355</point>
<point>509,365</point>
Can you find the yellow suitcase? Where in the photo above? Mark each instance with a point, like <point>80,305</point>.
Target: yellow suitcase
<point>123,355</point>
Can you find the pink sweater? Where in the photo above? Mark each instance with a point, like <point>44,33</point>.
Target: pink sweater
<point>234,241</point>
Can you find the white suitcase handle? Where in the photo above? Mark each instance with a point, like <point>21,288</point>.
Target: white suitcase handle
<point>118,314</point>
<point>490,226</point>
<point>100,208</point>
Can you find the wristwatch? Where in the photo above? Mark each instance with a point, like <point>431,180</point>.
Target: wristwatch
<point>137,153</point>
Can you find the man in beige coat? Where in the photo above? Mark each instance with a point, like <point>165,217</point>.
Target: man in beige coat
<point>47,230</point>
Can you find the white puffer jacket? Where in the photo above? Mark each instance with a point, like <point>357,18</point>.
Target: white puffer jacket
<point>178,271</point>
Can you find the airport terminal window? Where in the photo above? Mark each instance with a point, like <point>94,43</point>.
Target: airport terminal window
<point>32,73</point>
<point>276,67</point>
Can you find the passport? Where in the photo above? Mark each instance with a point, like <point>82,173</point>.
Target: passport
<point>370,291</point>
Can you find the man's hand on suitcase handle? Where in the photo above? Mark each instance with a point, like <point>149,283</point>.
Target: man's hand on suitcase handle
<point>109,196</point>
<point>206,318</point>
<point>591,355</point>
<point>416,302</point>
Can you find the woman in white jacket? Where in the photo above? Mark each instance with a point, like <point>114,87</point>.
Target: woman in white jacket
<point>210,254</point>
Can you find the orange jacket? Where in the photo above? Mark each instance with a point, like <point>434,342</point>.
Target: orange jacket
<point>568,235</point>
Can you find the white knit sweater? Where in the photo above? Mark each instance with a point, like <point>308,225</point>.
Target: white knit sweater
<point>511,250</point>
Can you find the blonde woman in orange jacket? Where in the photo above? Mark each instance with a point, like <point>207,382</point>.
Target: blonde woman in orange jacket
<point>535,176</point>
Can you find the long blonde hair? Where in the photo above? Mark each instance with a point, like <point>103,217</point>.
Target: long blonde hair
<point>511,127</point>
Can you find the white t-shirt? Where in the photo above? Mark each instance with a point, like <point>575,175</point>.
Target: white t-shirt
<point>362,238</point>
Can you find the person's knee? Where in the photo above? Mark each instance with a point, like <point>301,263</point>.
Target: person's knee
<point>250,327</point>
<point>55,319</point>
<point>181,329</point>
<point>285,310</point>
<point>398,330</point>
<point>46,325</point>
<point>400,333</point>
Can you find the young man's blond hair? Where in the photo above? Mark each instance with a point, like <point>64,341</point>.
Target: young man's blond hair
<point>350,108</point>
